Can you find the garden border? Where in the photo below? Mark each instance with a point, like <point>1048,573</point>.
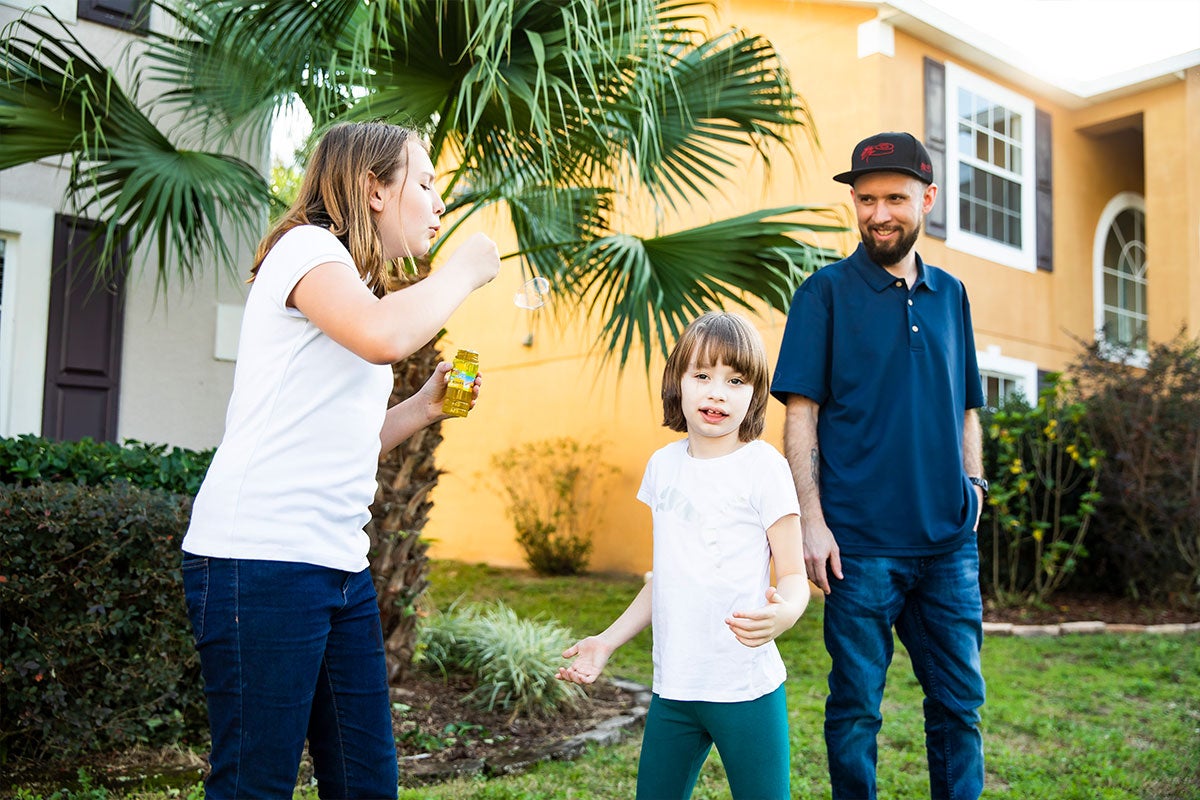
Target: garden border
<point>1091,626</point>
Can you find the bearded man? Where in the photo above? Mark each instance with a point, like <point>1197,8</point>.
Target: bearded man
<point>878,372</point>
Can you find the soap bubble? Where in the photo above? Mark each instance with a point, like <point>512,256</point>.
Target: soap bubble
<point>533,293</point>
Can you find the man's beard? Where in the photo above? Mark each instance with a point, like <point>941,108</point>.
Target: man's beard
<point>885,255</point>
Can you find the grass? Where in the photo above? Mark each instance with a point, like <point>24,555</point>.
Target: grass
<point>1086,717</point>
<point>1113,717</point>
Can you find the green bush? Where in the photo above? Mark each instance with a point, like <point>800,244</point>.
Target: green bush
<point>511,660</point>
<point>1044,473</point>
<point>97,649</point>
<point>26,460</point>
<point>551,488</point>
<point>1148,420</point>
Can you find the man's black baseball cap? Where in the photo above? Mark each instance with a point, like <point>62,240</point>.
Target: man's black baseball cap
<point>889,152</point>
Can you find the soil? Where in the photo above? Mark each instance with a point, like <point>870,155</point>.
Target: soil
<point>1078,607</point>
<point>439,736</point>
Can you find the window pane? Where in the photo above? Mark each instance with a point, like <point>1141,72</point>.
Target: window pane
<point>979,218</point>
<point>1110,324</point>
<point>964,138</point>
<point>996,227</point>
<point>1110,288</point>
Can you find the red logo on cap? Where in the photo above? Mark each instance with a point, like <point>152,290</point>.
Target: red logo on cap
<point>926,167</point>
<point>881,149</point>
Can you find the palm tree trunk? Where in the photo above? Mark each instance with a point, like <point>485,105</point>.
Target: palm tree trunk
<point>406,476</point>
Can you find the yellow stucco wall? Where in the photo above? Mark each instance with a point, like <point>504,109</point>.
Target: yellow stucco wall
<point>556,387</point>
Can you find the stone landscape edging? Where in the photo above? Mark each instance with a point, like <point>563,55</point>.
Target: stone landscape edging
<point>1085,627</point>
<point>607,731</point>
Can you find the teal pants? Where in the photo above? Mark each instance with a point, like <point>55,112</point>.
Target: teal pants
<point>751,736</point>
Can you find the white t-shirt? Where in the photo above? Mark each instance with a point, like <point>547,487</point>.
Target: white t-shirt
<point>711,558</point>
<point>294,475</point>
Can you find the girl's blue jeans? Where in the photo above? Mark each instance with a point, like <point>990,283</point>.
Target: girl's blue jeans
<point>934,604</point>
<point>291,652</point>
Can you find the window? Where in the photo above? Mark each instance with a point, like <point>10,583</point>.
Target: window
<point>990,183</point>
<point>998,387</point>
<point>1121,274</point>
<point>1006,378</point>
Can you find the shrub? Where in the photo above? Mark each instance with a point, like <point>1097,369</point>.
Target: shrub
<point>1043,494</point>
<point>96,642</point>
<point>26,459</point>
<point>512,660</point>
<point>551,488</point>
<point>1148,420</point>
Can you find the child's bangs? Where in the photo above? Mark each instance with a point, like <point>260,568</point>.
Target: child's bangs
<point>728,345</point>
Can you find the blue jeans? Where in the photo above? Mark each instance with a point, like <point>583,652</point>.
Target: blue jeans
<point>935,605</point>
<point>288,652</point>
<point>751,736</point>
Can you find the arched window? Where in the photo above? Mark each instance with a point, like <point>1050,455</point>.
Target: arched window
<point>1121,273</point>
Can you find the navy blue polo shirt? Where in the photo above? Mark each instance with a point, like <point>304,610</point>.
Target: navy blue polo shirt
<point>893,371</point>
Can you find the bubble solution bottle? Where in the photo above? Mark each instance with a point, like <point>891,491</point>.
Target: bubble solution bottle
<point>459,391</point>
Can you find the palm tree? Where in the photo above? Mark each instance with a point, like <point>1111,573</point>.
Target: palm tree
<point>552,109</point>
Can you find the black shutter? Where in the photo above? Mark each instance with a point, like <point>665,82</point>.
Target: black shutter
<point>128,15</point>
<point>935,141</point>
<point>83,348</point>
<point>1043,166</point>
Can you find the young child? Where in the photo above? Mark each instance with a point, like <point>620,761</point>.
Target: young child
<point>275,574</point>
<point>724,509</point>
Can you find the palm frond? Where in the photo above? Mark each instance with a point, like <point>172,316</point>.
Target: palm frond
<point>646,291</point>
<point>684,123</point>
<point>57,99</point>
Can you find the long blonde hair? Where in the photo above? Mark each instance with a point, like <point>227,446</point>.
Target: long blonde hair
<point>334,193</point>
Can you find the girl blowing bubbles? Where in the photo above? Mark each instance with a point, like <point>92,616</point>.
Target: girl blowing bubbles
<point>275,559</point>
<point>725,510</point>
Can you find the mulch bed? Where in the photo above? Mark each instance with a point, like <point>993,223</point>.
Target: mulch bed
<point>439,736</point>
<point>1081,607</point>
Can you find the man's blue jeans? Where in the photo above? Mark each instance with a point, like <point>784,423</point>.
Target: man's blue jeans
<point>935,605</point>
<point>288,652</point>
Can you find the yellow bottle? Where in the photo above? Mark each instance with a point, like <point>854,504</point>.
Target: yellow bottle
<point>459,391</point>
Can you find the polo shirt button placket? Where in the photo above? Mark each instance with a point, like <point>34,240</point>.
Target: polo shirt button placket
<point>912,326</point>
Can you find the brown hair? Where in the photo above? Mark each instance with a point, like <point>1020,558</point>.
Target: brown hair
<point>334,193</point>
<point>724,338</point>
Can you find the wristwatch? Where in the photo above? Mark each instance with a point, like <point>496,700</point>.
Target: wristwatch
<point>980,482</point>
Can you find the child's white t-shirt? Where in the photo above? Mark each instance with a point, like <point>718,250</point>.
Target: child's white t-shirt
<point>294,475</point>
<point>711,558</point>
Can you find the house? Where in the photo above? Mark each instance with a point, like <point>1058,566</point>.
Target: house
<point>119,362</point>
<point>1053,201</point>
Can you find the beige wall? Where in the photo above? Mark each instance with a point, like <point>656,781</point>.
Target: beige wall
<point>554,388</point>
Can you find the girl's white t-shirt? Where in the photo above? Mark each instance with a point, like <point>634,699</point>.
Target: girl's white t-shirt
<point>711,558</point>
<point>294,475</point>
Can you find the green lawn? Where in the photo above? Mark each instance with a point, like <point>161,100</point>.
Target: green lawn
<point>1078,717</point>
<point>1087,717</point>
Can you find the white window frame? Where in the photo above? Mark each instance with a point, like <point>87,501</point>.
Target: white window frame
<point>1119,203</point>
<point>1025,257</point>
<point>1023,373</point>
<point>29,234</point>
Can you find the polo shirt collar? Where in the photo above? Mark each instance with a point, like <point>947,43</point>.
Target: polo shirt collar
<point>879,278</point>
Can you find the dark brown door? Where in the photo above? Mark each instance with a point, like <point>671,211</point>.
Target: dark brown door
<point>83,348</point>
